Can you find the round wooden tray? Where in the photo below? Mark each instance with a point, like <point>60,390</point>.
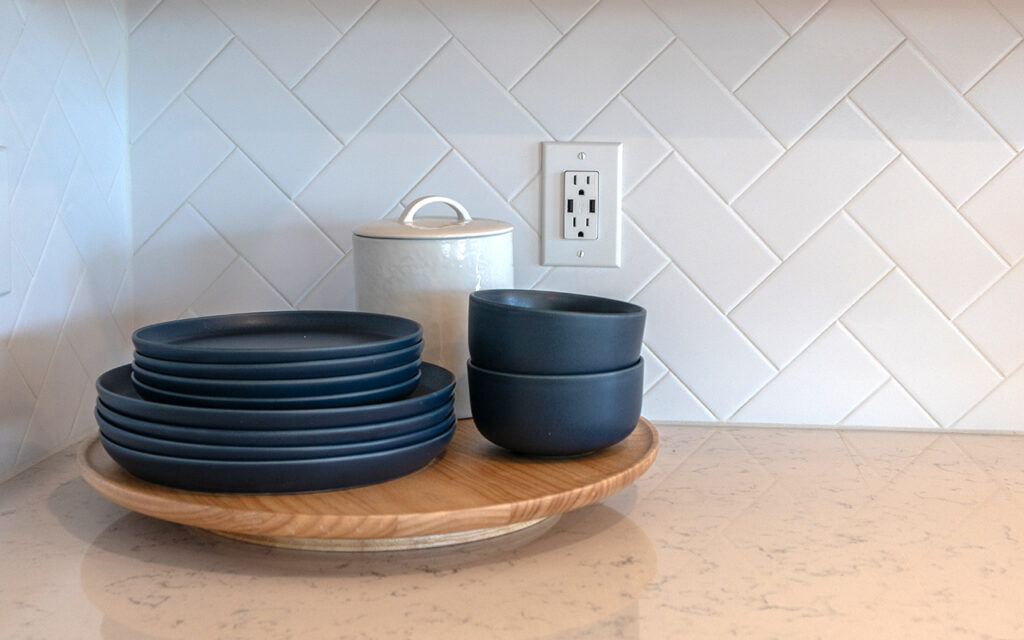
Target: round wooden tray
<point>473,491</point>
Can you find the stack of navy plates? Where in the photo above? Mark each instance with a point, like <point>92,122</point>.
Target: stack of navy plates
<point>276,402</point>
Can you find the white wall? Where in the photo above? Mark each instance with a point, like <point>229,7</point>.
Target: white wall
<point>823,204</point>
<point>62,123</point>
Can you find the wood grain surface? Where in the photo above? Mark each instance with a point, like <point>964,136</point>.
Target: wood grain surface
<point>473,485</point>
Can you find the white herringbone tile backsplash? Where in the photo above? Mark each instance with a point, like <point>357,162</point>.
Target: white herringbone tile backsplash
<point>824,201</point>
<point>62,130</point>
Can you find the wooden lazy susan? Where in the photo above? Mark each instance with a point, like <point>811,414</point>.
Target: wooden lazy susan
<point>473,491</point>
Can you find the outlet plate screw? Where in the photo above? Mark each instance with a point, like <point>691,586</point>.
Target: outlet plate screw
<point>579,254</point>
<point>581,155</point>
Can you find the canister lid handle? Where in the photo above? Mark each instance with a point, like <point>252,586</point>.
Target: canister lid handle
<point>419,203</point>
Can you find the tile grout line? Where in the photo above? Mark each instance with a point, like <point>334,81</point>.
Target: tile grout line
<point>987,395</point>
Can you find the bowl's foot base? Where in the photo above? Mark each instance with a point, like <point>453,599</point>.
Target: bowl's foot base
<point>381,544</point>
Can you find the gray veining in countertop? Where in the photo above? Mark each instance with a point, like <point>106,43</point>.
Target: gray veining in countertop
<point>748,533</point>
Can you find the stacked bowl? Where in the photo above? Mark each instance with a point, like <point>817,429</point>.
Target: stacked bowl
<point>276,402</point>
<point>554,374</point>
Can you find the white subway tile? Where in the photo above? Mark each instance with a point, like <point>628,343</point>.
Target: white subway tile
<point>46,304</point>
<point>38,193</point>
<point>508,46</point>
<point>703,121</point>
<point>927,355</point>
<point>731,37</point>
<point>374,59</point>
<point>932,124</point>
<point>527,203</point>
<point>461,100</point>
<point>84,103</point>
<point>619,37</point>
<point>810,290</point>
<point>642,147</point>
<point>265,227</point>
<point>792,14</point>
<point>92,332</point>
<point>373,172</point>
<point>100,30</point>
<point>964,38</point>
<point>240,289</point>
<point>263,118</point>
<point>343,13</point>
<point>821,386</point>
<point>814,179</point>
<point>812,72</point>
<point>924,235</point>
<point>670,401</point>
<point>1003,409</point>
<point>287,37</point>
<point>995,211</point>
<point>700,345</point>
<point>56,406</point>
<point>890,406</point>
<point>183,31</point>
<point>10,30</point>
<point>337,290</point>
<point>654,368</point>
<point>564,14</point>
<point>169,161</point>
<point>644,261</point>
<point>999,95</point>
<point>995,321</point>
<point>1012,10</point>
<point>184,257</point>
<point>700,233</point>
<point>101,236</point>
<point>16,405</point>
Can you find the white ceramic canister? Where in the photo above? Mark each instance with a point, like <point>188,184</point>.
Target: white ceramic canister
<point>425,268</point>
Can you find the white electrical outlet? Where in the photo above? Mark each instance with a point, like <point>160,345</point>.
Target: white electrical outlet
<point>582,204</point>
<point>580,199</point>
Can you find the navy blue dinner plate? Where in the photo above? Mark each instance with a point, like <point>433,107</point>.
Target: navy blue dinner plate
<point>297,388</point>
<point>195,451</point>
<point>278,437</point>
<point>116,390</point>
<point>272,403</point>
<point>277,476</point>
<point>277,336</point>
<point>284,370</point>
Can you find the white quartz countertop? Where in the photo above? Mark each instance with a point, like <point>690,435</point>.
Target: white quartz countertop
<point>747,533</point>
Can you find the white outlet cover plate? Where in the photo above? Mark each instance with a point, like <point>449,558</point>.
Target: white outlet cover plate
<point>559,157</point>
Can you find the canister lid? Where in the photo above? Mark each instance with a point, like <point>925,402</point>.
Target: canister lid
<point>408,226</point>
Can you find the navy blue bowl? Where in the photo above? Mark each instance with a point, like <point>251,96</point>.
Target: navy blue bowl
<point>548,332</point>
<point>556,415</point>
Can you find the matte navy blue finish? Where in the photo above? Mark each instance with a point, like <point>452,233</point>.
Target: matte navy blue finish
<point>267,389</point>
<point>278,476</point>
<point>556,415</point>
<point>160,446</point>
<point>277,437</point>
<point>116,390</point>
<point>284,370</point>
<point>548,332</point>
<point>356,398</point>
<point>276,336</point>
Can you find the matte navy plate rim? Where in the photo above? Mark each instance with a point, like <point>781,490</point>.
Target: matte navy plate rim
<point>436,385</point>
<point>270,388</point>
<point>278,476</point>
<point>282,370</point>
<point>270,403</point>
<point>169,340</point>
<point>628,308</point>
<point>285,437</point>
<point>201,451</point>
<point>582,377</point>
